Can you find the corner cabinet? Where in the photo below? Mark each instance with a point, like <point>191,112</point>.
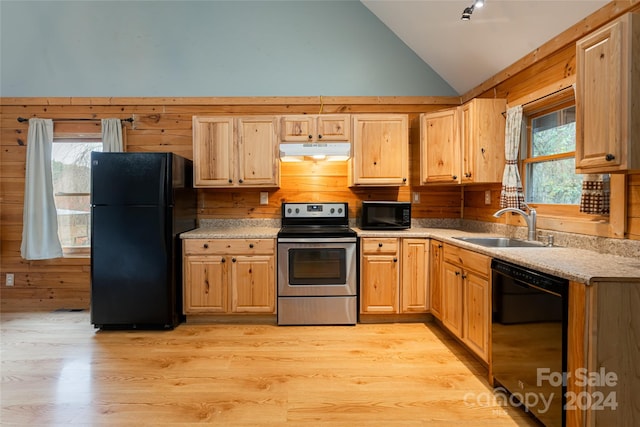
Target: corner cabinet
<point>315,128</point>
<point>466,290</point>
<point>229,276</point>
<point>607,115</point>
<point>463,145</point>
<point>394,276</point>
<point>380,150</point>
<point>236,151</point>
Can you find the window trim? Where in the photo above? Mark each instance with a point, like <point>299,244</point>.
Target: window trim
<point>68,132</point>
<point>568,218</point>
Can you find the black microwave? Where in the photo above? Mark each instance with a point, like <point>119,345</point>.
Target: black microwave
<point>386,215</point>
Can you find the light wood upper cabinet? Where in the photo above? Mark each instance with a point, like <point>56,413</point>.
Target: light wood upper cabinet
<point>607,114</point>
<point>380,150</point>
<point>236,151</point>
<point>464,144</point>
<point>213,151</point>
<point>315,128</point>
<point>229,276</point>
<point>482,128</point>
<point>258,151</point>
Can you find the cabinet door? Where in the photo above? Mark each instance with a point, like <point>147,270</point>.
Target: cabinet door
<point>253,284</point>
<point>414,288</point>
<point>379,284</point>
<point>601,99</point>
<point>205,285</point>
<point>435,278</point>
<point>334,127</point>
<point>380,150</point>
<point>439,147</point>
<point>477,321</point>
<point>297,128</point>
<point>213,154</point>
<point>452,298</point>
<point>482,140</point>
<point>258,164</point>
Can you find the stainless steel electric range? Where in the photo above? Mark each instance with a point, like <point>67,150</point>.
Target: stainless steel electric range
<point>317,265</point>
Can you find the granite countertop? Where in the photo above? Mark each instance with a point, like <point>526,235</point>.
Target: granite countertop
<point>580,265</point>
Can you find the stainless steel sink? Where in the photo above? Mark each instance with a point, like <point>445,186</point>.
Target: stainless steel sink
<point>500,242</point>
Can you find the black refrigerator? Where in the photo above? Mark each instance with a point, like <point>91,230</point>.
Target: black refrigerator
<point>140,203</point>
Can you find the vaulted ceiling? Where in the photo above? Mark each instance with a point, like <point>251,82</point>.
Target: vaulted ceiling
<point>466,53</point>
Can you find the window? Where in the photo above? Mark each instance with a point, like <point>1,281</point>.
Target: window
<point>71,170</point>
<point>549,162</point>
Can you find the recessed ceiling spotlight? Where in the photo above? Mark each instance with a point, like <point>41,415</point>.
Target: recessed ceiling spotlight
<point>478,3</point>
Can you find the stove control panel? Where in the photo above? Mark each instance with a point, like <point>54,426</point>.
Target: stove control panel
<point>315,210</point>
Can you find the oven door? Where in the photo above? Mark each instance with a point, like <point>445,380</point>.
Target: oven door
<point>316,269</point>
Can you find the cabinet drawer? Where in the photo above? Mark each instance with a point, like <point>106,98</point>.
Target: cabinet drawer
<point>468,259</point>
<point>379,245</point>
<point>229,246</point>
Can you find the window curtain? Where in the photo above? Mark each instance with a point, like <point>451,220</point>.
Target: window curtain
<point>595,194</point>
<point>112,135</point>
<point>511,195</point>
<point>40,220</point>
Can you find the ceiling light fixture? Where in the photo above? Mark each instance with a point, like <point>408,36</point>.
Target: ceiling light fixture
<point>466,14</point>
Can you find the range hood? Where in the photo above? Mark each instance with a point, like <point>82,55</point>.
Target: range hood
<point>331,151</point>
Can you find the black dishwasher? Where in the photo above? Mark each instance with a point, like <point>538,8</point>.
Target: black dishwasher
<point>529,336</point>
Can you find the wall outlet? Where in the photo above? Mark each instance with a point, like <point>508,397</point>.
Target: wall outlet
<point>415,197</point>
<point>9,279</point>
<point>487,197</point>
<point>264,198</point>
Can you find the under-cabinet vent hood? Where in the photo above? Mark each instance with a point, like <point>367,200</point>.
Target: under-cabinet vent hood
<point>331,151</point>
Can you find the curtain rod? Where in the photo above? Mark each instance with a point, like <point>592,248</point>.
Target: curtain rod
<point>130,120</point>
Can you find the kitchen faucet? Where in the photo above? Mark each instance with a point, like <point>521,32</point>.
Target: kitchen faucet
<point>530,219</point>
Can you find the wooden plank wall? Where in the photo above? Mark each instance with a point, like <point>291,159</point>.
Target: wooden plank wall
<point>165,125</point>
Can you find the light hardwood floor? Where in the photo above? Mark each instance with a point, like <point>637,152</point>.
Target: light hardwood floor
<point>58,370</point>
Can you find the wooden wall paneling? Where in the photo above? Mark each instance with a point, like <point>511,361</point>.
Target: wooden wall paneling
<point>633,206</point>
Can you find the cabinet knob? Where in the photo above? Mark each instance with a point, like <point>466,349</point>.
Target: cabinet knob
<point>467,175</point>
<point>251,245</point>
<point>233,259</point>
<point>240,181</point>
<point>609,157</point>
<point>379,245</point>
<point>464,276</point>
<point>319,136</point>
<point>439,246</point>
<point>455,177</point>
<point>375,163</point>
<point>310,136</point>
<point>223,260</point>
<point>206,246</point>
<point>404,179</point>
<point>395,259</point>
<point>230,181</point>
<point>457,273</point>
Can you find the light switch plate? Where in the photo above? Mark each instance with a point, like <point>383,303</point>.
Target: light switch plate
<point>487,197</point>
<point>264,198</point>
<point>415,197</point>
<point>9,279</point>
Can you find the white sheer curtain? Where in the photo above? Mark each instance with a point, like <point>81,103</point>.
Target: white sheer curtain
<point>112,135</point>
<point>40,220</point>
<point>511,195</point>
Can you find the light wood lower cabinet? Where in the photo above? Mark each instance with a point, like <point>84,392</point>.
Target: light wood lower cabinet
<point>229,276</point>
<point>435,277</point>
<point>394,278</point>
<point>466,290</point>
